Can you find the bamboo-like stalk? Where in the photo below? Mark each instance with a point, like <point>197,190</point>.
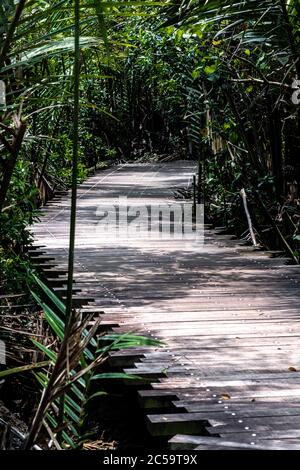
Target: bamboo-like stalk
<point>74,184</point>
<point>75,163</point>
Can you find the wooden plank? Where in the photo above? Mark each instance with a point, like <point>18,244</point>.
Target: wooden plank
<point>186,442</point>
<point>281,428</point>
<point>238,414</point>
<point>240,408</point>
<point>170,424</point>
<point>150,399</point>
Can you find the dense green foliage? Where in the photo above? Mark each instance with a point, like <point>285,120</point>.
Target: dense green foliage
<point>208,80</point>
<point>247,62</point>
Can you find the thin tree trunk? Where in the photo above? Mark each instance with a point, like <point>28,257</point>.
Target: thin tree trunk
<point>241,128</point>
<point>244,198</point>
<point>14,149</point>
<point>276,150</point>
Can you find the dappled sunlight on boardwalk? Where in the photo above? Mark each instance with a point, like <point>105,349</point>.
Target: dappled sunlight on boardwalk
<point>228,314</point>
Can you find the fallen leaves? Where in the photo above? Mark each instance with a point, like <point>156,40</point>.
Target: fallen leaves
<point>225,396</point>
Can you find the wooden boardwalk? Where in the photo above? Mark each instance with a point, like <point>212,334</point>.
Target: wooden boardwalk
<point>228,314</point>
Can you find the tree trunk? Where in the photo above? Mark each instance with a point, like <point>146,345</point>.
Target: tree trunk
<point>11,163</point>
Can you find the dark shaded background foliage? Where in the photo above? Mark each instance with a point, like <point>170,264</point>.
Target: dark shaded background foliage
<point>210,81</point>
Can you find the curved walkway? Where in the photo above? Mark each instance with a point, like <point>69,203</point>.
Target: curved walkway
<point>228,314</point>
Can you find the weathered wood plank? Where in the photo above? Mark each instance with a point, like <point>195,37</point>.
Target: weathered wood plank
<point>186,442</point>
